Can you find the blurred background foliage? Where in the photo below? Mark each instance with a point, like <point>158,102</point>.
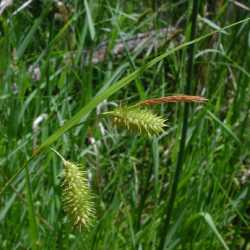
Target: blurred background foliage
<point>56,56</point>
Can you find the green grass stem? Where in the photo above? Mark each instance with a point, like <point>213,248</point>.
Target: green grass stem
<point>181,154</point>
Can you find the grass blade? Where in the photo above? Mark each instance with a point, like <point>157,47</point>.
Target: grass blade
<point>90,20</point>
<point>224,127</point>
<point>209,220</point>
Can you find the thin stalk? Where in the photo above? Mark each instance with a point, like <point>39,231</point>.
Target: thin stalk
<point>180,159</point>
<point>32,217</point>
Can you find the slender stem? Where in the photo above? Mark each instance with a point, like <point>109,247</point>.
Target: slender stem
<point>58,154</point>
<point>32,217</point>
<point>180,159</point>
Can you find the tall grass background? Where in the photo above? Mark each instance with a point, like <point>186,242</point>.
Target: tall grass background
<point>201,160</point>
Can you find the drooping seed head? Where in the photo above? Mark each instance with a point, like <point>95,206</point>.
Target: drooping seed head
<point>137,120</point>
<point>76,196</point>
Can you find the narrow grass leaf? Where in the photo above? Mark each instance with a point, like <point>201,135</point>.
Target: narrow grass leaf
<point>90,20</point>
<point>28,38</point>
<point>209,220</point>
<point>213,25</point>
<point>8,204</point>
<point>224,127</point>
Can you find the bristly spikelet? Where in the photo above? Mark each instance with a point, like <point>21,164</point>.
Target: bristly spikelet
<point>137,120</point>
<point>76,196</point>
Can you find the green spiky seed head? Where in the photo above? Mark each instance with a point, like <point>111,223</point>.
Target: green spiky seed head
<point>76,196</point>
<point>138,120</point>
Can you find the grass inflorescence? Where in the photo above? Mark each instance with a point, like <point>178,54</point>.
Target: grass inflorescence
<point>173,99</point>
<point>137,120</point>
<point>76,196</point>
<point>140,119</point>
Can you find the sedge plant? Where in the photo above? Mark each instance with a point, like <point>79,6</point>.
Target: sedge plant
<point>221,62</point>
<point>77,198</point>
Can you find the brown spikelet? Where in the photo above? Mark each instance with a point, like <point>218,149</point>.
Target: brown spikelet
<point>173,99</point>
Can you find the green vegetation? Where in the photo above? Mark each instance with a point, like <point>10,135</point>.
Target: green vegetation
<point>64,63</point>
